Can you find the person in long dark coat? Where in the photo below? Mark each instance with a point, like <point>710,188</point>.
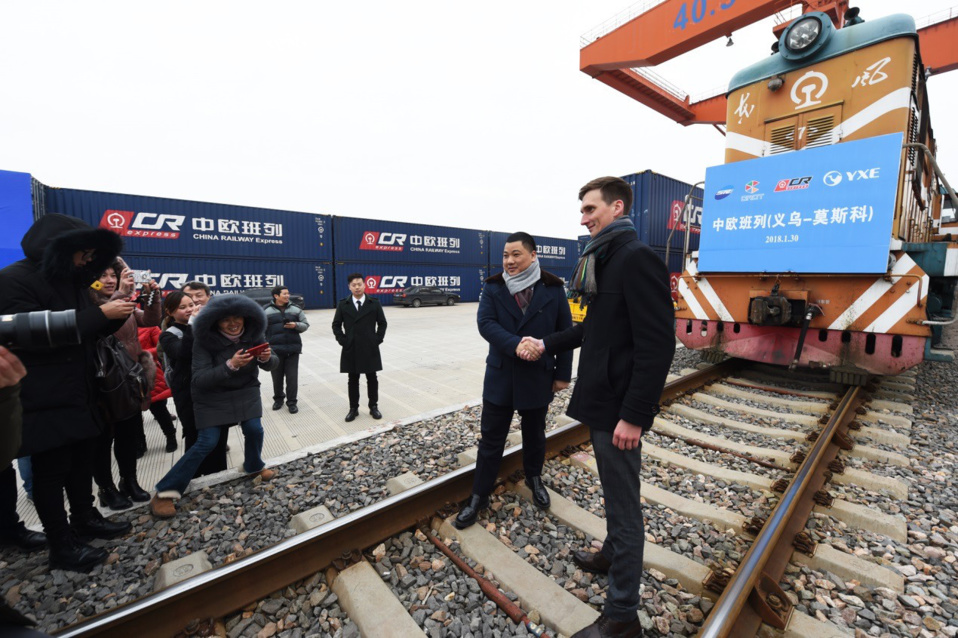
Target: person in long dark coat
<point>225,390</point>
<point>522,300</point>
<point>360,326</point>
<point>627,342</point>
<point>61,419</point>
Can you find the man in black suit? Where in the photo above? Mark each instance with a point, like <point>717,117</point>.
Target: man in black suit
<point>360,326</point>
<point>627,342</point>
<point>522,300</point>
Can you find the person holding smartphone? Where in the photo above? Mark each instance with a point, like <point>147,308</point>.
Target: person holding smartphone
<point>229,348</point>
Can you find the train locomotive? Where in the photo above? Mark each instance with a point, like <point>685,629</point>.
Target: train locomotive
<point>859,290</point>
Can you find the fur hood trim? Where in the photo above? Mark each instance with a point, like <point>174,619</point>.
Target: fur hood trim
<point>546,278</point>
<point>222,306</point>
<point>53,239</point>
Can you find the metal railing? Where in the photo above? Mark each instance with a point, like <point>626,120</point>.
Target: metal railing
<point>937,17</point>
<point>617,21</point>
<point>661,82</point>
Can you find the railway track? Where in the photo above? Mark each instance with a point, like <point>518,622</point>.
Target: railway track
<point>800,447</point>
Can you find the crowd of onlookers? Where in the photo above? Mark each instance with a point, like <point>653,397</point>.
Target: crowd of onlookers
<point>203,352</point>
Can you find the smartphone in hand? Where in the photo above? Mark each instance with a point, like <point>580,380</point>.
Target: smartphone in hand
<point>257,350</point>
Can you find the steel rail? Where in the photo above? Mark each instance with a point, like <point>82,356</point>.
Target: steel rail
<point>746,601</point>
<point>230,587</point>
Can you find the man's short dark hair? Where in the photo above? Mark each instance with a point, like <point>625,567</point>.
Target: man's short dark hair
<point>355,275</point>
<point>611,188</point>
<point>278,290</point>
<point>196,285</point>
<point>527,240</point>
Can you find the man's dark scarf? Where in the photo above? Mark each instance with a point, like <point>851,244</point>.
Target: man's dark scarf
<point>582,286</point>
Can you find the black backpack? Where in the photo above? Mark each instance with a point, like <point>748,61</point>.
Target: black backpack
<point>120,379</point>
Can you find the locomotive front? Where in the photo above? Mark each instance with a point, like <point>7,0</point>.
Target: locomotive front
<point>815,258</point>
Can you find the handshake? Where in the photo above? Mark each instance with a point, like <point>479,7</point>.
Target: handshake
<point>530,349</point>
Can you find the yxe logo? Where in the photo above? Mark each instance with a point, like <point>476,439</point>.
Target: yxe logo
<point>723,192</point>
<point>131,224</point>
<point>751,187</point>
<point>793,184</point>
<point>834,178</point>
<point>385,284</point>
<point>392,242</point>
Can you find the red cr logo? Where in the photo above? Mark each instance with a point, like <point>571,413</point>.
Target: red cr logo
<point>386,284</point>
<point>392,242</point>
<point>131,224</point>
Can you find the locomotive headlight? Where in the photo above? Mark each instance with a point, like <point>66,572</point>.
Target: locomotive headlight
<point>803,34</point>
<point>806,36</point>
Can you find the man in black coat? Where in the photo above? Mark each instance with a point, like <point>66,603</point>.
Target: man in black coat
<point>360,326</point>
<point>284,323</point>
<point>627,342</point>
<point>61,420</point>
<point>521,300</point>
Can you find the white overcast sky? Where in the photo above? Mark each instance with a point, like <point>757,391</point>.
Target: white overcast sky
<point>462,114</point>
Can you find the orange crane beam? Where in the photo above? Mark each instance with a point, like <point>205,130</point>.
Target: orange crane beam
<point>939,46</point>
<point>668,30</point>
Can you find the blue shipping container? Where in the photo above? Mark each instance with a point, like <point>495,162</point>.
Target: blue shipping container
<point>383,280</point>
<point>16,211</point>
<point>553,253</point>
<point>161,226</point>
<point>377,241</point>
<point>657,208</point>
<point>312,280</point>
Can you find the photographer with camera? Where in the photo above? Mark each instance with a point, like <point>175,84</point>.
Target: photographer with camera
<point>61,420</point>
<point>124,436</point>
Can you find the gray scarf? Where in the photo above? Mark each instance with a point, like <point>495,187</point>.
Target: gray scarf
<point>582,286</point>
<point>523,280</point>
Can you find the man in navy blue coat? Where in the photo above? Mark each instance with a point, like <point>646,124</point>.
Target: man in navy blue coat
<point>521,301</point>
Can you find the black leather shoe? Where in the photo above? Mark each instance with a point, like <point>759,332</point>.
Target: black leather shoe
<point>277,405</point>
<point>293,409</point>
<point>131,489</point>
<point>594,562</point>
<point>470,511</point>
<point>374,412</point>
<point>112,499</point>
<point>171,443</point>
<point>353,413</point>
<point>93,525</point>
<point>25,539</point>
<point>540,495</point>
<point>605,627</point>
<point>74,556</point>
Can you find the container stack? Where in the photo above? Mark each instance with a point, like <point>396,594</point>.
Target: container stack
<point>229,248</point>
<point>392,256</point>
<point>662,216</point>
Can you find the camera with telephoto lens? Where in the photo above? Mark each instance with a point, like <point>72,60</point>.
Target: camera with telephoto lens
<point>42,328</point>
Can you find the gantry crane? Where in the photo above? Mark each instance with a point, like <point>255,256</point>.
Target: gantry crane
<point>666,29</point>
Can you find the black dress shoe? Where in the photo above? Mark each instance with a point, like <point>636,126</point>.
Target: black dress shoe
<point>171,443</point>
<point>594,562</point>
<point>374,412</point>
<point>93,525</point>
<point>25,539</point>
<point>540,495</point>
<point>277,405</point>
<point>605,627</point>
<point>470,511</point>
<point>75,556</point>
<point>353,413</point>
<point>131,489</point>
<point>293,409</point>
<point>112,499</point>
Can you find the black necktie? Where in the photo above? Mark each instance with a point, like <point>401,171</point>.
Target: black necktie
<point>359,305</point>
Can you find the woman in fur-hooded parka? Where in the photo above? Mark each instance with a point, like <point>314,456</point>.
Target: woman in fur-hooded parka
<point>222,396</point>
